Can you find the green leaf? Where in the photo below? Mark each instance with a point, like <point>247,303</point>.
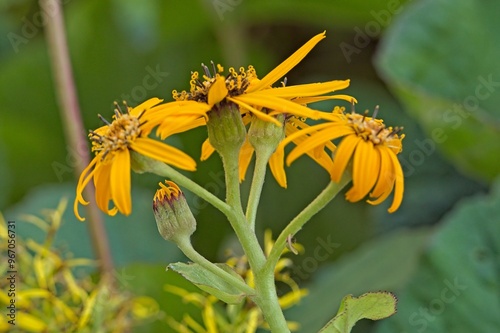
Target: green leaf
<point>457,284</point>
<point>374,306</point>
<point>441,60</point>
<point>210,282</point>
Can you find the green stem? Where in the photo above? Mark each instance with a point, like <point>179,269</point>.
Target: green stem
<point>305,215</point>
<point>230,161</point>
<point>266,297</point>
<point>259,175</point>
<point>162,169</point>
<point>185,245</point>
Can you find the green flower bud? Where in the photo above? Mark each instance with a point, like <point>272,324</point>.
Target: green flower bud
<point>226,130</point>
<point>265,135</point>
<point>173,217</point>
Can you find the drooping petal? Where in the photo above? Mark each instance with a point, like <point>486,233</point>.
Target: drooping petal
<point>343,155</point>
<point>366,166</point>
<point>206,150</point>
<point>287,65</point>
<point>246,153</point>
<point>102,181</point>
<point>163,152</point>
<point>84,179</point>
<point>386,177</point>
<point>120,182</point>
<point>218,91</point>
<point>399,185</point>
<point>276,164</point>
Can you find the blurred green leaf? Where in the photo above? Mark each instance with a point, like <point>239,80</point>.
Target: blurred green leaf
<point>210,282</point>
<point>457,284</point>
<point>441,59</point>
<point>133,238</point>
<point>382,264</point>
<point>373,305</point>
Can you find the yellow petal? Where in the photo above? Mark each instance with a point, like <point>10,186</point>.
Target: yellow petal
<point>366,166</point>
<point>276,164</point>
<point>287,65</point>
<point>103,193</point>
<point>120,182</point>
<point>278,105</point>
<point>322,137</point>
<point>179,124</point>
<point>163,152</point>
<point>206,150</point>
<point>386,176</point>
<point>83,181</point>
<point>218,91</point>
<point>246,153</point>
<point>399,186</point>
<point>314,99</point>
<point>259,114</point>
<point>343,155</point>
<point>145,106</point>
<point>310,89</point>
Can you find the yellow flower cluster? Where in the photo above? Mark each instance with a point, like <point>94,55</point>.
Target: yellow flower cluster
<point>362,141</point>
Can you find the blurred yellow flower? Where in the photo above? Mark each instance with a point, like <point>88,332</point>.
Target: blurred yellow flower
<point>50,297</point>
<point>368,145</point>
<point>110,168</point>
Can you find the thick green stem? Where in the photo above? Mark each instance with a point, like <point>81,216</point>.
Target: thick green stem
<point>259,175</point>
<point>305,215</point>
<point>233,197</point>
<point>266,297</point>
<point>185,245</point>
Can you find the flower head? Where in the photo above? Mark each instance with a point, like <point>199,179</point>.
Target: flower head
<point>112,145</point>
<point>368,145</point>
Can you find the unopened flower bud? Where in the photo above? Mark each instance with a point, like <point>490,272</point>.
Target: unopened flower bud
<point>265,134</point>
<point>174,219</point>
<point>226,130</point>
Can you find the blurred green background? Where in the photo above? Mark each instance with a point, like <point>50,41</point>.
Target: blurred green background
<point>432,66</point>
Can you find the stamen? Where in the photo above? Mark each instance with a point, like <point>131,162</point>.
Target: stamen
<point>285,79</point>
<point>364,116</point>
<point>375,112</point>
<point>353,108</point>
<point>104,120</point>
<point>118,110</point>
<point>213,67</point>
<point>206,70</point>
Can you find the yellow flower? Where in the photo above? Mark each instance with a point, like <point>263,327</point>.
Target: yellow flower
<point>255,95</point>
<point>113,144</point>
<point>369,145</point>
